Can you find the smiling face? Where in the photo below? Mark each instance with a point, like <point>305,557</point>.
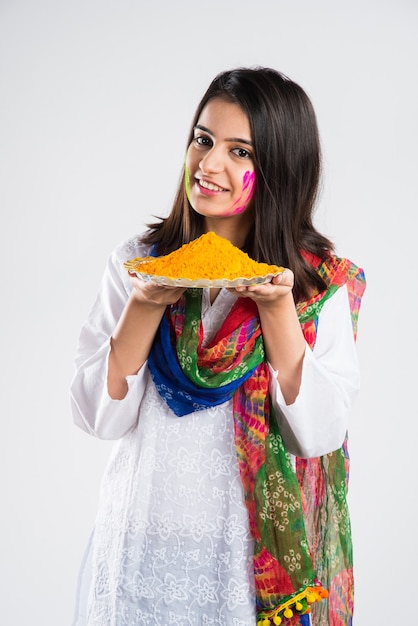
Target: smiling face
<point>220,177</point>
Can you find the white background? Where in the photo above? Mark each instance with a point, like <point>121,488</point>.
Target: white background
<point>95,106</point>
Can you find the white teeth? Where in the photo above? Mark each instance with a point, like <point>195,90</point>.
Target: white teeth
<point>210,186</point>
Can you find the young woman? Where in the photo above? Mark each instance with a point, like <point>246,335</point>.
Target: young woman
<point>224,501</point>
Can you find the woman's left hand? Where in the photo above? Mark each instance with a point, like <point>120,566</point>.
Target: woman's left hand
<point>268,293</point>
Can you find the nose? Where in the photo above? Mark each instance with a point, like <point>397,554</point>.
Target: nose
<point>212,161</point>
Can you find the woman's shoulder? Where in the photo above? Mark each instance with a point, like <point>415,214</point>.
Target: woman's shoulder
<point>131,248</point>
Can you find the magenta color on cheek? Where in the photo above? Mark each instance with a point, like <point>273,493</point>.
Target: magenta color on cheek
<point>248,183</point>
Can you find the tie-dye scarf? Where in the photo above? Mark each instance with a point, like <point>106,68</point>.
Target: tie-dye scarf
<point>298,520</point>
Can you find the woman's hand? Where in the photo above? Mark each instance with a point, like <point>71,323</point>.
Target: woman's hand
<point>149,293</point>
<point>269,294</point>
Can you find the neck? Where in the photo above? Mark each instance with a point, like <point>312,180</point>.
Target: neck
<point>236,233</point>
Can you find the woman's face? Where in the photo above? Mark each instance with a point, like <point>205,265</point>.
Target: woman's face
<point>220,177</point>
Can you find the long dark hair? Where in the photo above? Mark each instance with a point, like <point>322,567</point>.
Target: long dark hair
<point>287,159</point>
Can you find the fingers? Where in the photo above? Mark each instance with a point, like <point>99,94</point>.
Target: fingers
<point>285,278</point>
<point>148,291</point>
<point>278,287</point>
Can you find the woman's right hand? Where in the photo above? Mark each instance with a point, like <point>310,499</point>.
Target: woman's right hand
<point>150,293</point>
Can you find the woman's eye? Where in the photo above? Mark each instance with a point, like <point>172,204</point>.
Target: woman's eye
<point>203,141</point>
<point>242,153</point>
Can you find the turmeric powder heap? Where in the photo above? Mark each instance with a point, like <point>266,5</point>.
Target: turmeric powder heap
<point>209,257</point>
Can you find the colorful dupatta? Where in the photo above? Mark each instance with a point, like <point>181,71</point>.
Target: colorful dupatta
<point>292,543</point>
<point>323,480</point>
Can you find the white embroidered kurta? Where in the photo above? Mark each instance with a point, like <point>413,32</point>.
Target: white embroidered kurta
<point>171,543</point>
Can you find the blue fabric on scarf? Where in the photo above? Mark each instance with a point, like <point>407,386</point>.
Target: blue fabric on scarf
<point>179,392</point>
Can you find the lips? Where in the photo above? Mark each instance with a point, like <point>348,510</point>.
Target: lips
<point>206,184</point>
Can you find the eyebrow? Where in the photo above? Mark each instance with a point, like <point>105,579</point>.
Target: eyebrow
<point>232,139</point>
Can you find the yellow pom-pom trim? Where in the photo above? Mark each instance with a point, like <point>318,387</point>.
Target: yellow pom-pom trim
<point>286,609</point>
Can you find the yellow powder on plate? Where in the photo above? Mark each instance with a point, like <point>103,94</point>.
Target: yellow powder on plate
<point>209,257</point>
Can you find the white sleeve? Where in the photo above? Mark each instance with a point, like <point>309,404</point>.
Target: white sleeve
<point>93,409</point>
<point>316,423</point>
